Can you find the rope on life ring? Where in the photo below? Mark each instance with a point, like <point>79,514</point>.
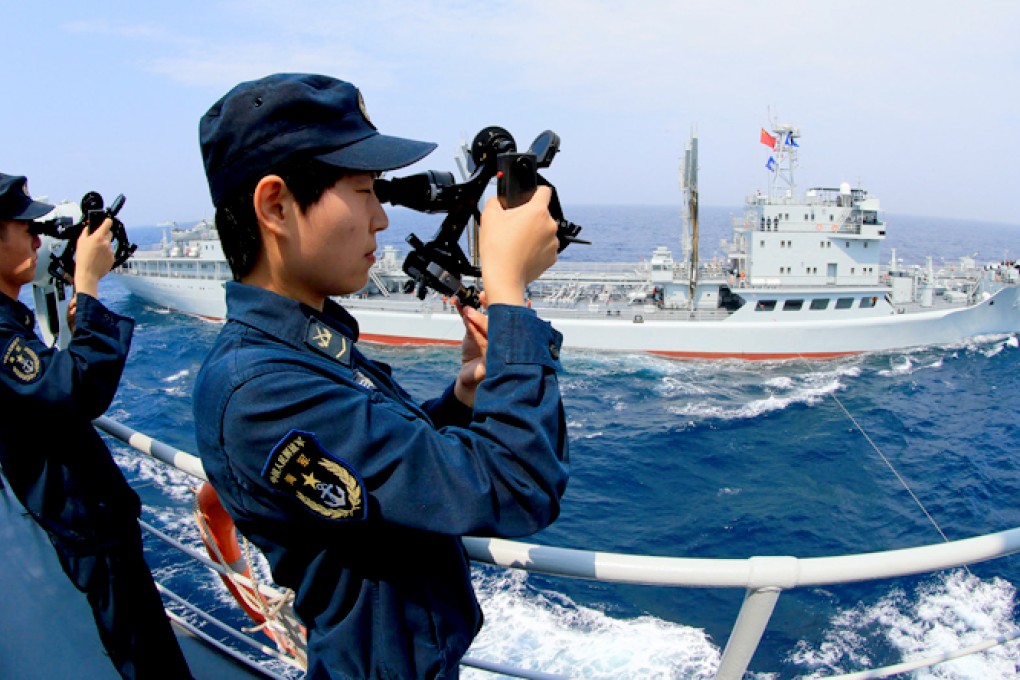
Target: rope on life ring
<point>273,612</point>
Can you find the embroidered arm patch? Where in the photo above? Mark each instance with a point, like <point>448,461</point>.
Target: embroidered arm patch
<point>327,486</point>
<point>21,360</point>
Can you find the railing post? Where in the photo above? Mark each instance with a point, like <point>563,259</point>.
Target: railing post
<point>747,631</point>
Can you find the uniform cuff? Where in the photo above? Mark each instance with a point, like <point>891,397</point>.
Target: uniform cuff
<point>518,336</point>
<point>93,313</point>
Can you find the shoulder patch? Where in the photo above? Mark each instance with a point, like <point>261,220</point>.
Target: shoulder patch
<point>21,360</point>
<point>325,340</point>
<point>327,486</point>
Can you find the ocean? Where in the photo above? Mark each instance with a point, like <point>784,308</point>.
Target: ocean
<point>707,459</point>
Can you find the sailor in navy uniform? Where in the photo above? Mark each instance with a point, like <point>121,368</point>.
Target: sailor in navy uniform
<point>357,494</point>
<point>55,461</point>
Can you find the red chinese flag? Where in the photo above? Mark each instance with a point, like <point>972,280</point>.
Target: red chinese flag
<point>767,139</point>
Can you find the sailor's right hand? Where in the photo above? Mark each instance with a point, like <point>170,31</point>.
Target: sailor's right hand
<point>516,246</point>
<point>93,258</point>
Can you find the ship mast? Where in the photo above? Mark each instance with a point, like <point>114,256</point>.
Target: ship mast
<point>783,161</point>
<point>689,185</point>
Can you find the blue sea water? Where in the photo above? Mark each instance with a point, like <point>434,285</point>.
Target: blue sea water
<point>722,459</point>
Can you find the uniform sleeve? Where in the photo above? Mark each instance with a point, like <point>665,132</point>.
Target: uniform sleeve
<point>502,474</point>
<point>447,410</point>
<point>80,379</point>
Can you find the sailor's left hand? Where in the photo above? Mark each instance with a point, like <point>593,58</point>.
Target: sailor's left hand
<point>472,352</point>
<point>72,313</point>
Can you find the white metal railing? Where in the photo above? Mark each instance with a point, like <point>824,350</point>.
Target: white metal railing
<point>764,578</point>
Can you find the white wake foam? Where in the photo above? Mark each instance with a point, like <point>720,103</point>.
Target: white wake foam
<point>943,615</point>
<point>549,632</point>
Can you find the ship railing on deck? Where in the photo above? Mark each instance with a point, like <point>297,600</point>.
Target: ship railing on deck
<point>763,578</point>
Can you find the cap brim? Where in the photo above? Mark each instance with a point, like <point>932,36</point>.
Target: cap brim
<point>378,153</point>
<point>34,210</point>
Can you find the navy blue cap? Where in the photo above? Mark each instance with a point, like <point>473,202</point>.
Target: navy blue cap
<point>260,124</point>
<point>15,202</point>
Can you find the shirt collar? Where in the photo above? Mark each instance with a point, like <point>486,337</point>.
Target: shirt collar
<point>281,316</point>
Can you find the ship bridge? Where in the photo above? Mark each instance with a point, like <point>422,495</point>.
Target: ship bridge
<point>827,237</point>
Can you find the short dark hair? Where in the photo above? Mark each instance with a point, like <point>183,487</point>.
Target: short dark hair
<point>237,224</point>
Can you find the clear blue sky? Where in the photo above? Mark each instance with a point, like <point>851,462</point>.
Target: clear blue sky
<point>918,102</point>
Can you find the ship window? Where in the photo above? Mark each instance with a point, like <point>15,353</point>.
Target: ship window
<point>787,216</point>
<point>765,306</point>
<point>844,303</point>
<point>763,244</point>
<point>820,303</point>
<point>792,305</point>
<point>867,302</point>
<point>828,244</point>
<point>853,270</point>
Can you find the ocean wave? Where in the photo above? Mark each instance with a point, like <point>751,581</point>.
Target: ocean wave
<point>549,632</point>
<point>702,390</point>
<point>179,375</point>
<point>952,611</point>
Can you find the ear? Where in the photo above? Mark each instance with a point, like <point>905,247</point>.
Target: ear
<point>272,203</point>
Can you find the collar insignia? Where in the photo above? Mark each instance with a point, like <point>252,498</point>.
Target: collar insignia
<point>326,486</point>
<point>21,360</point>
<point>324,340</point>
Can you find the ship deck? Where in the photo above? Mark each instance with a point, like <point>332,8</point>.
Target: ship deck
<point>46,625</point>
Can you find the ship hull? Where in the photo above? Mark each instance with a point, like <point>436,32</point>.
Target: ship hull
<point>731,337</point>
<point>405,322</point>
<point>204,298</point>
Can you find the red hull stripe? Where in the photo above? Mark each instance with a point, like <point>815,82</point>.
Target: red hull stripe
<point>400,340</point>
<point>403,340</point>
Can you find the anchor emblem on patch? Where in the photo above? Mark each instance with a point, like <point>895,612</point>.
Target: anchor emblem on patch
<point>327,486</point>
<point>21,360</point>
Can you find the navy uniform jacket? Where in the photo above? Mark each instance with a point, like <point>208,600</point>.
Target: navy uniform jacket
<point>357,495</point>
<point>55,461</point>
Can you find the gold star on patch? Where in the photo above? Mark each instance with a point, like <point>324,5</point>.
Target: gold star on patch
<point>310,479</point>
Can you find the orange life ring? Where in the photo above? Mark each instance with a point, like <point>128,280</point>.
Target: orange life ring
<point>221,543</point>
<point>818,227</point>
<point>223,533</point>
